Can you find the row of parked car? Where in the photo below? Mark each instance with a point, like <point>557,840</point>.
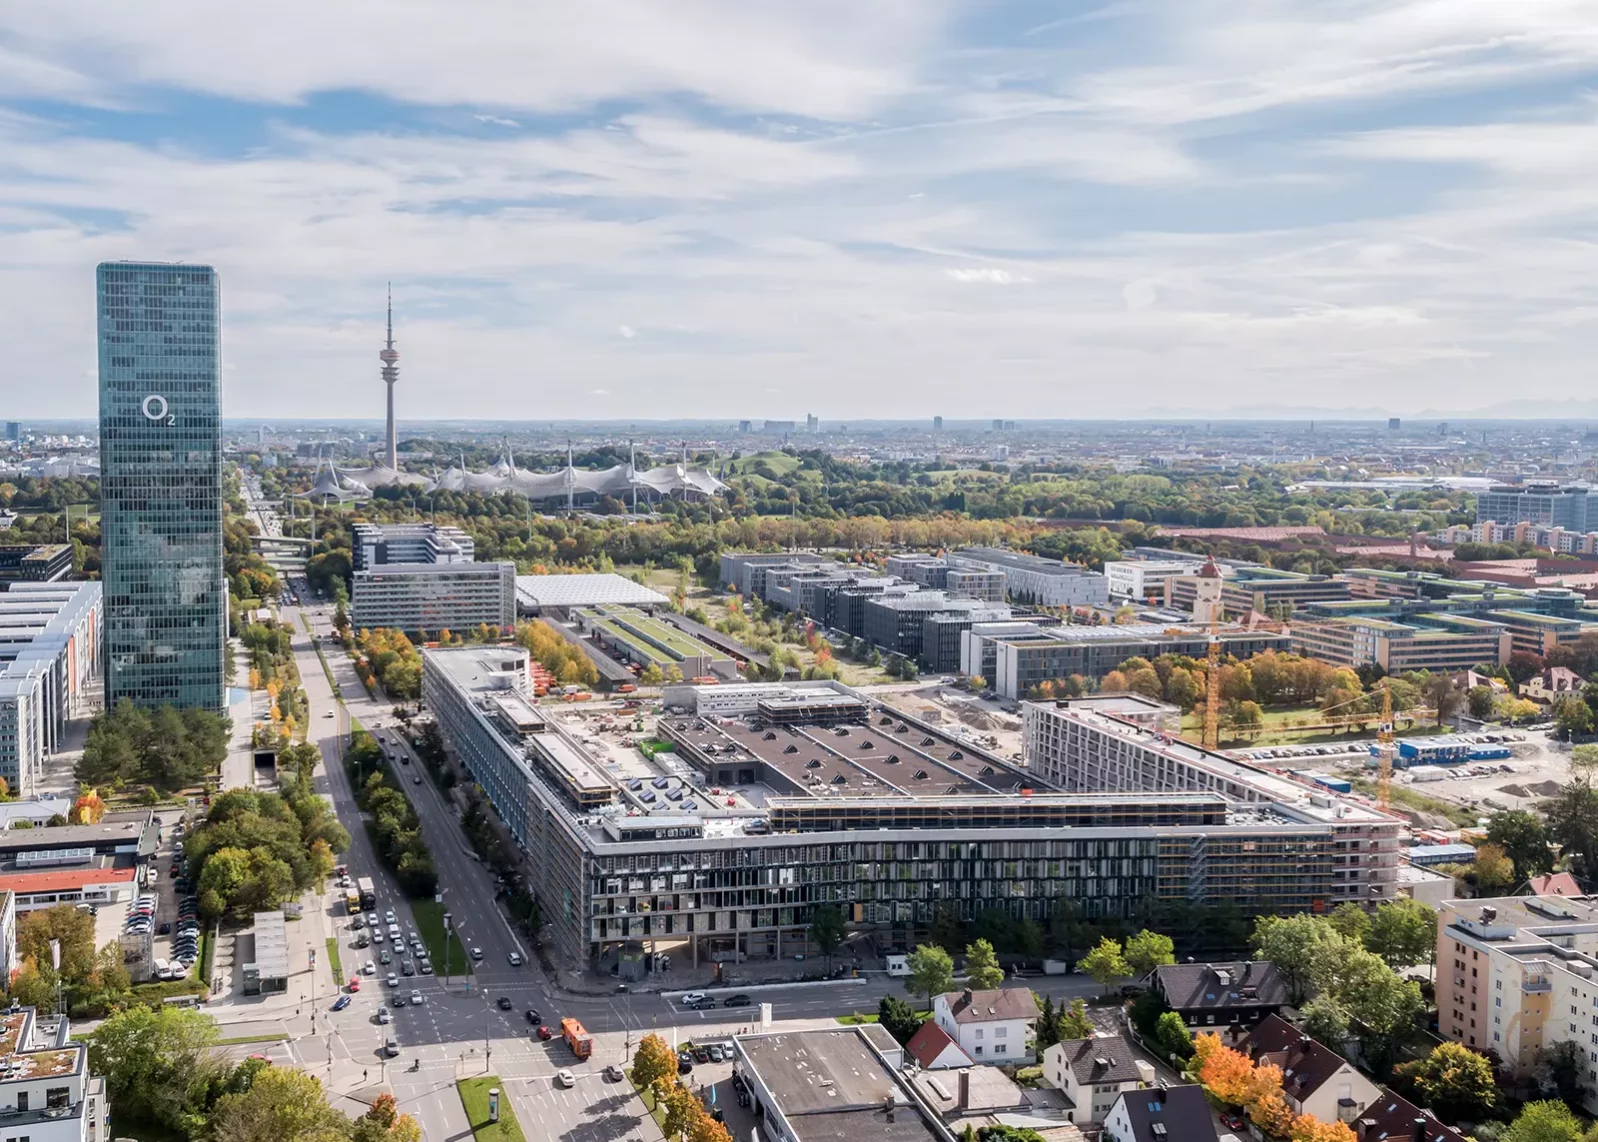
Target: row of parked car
<point>185,939</point>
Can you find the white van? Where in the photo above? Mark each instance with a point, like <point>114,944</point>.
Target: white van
<point>160,967</point>
<point>898,965</point>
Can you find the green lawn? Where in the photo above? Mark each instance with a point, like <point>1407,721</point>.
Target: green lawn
<point>242,1039</point>
<point>474,1097</point>
<point>430,927</point>
<point>658,1113</point>
<point>333,960</point>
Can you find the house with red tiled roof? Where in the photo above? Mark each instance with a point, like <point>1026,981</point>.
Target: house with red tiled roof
<point>1553,683</point>
<point>934,1050</point>
<point>1554,884</point>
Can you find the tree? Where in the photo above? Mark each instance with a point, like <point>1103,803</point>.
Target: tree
<point>1548,1121</point>
<point>1523,666</point>
<point>1308,1128</point>
<point>1572,718</point>
<point>1148,950</point>
<point>1403,932</point>
<point>1482,701</point>
<point>1047,1031</point>
<point>34,985</point>
<point>1441,696</point>
<point>653,1061</point>
<point>1495,872</point>
<point>827,930</point>
<point>982,970</point>
<point>157,1064</point>
<point>1226,1073</point>
<point>1454,1081</point>
<point>63,922</point>
<point>1572,817</point>
<point>1073,1021</point>
<point>281,1103</point>
<point>1105,963</point>
<point>1382,1007</point>
<point>1325,1020</point>
<point>1304,948</point>
<point>931,971</point>
<point>1173,1038</point>
<point>1524,838</point>
<point>651,675</point>
<point>322,863</point>
<point>680,1107</point>
<point>897,1017</point>
<point>1350,921</point>
<point>88,809</point>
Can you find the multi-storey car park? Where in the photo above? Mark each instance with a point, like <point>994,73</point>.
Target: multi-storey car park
<point>778,799</point>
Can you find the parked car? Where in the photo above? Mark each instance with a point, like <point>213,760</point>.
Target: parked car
<point>685,1062</point>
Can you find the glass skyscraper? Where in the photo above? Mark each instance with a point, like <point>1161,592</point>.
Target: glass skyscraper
<point>161,484</point>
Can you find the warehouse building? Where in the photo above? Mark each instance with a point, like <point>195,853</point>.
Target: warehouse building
<point>889,820</point>
<point>425,598</point>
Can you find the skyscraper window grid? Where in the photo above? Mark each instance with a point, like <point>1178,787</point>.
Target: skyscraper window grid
<point>161,484</point>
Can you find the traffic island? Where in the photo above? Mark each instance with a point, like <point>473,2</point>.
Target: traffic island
<point>475,1100</point>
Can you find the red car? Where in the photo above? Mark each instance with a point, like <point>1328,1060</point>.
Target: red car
<point>545,1033</point>
<point>1231,1120</point>
<point>355,984</point>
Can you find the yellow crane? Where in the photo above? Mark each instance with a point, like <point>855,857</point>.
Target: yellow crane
<point>1384,751</point>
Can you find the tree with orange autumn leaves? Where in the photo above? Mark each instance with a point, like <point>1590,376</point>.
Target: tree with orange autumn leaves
<point>1232,1077</point>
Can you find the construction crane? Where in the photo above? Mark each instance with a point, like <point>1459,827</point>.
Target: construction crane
<point>1384,751</point>
<point>1212,686</point>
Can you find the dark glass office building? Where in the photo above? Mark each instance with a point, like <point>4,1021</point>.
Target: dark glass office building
<point>161,484</point>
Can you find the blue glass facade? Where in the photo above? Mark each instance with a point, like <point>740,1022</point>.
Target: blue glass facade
<point>161,484</point>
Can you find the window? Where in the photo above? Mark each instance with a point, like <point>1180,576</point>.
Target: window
<point>979,1033</point>
<point>1000,1032</point>
<point>22,1101</point>
<point>57,1096</point>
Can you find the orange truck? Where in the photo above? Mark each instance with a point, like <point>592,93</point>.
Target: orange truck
<point>576,1036</point>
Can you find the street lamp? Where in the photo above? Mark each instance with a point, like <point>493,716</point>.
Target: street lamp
<point>447,930</point>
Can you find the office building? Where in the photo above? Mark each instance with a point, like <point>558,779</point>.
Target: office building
<point>889,820</point>
<point>161,484</point>
<point>1518,976</point>
<point>377,545</point>
<point>1080,750</point>
<point>1034,579</point>
<point>46,1091</point>
<point>744,572</point>
<point>896,623</point>
<point>937,424</point>
<point>1545,505</point>
<point>1144,579</point>
<point>1431,642</point>
<point>425,598</point>
<point>50,655</point>
<point>1249,588</point>
<point>34,563</point>
<point>13,431</point>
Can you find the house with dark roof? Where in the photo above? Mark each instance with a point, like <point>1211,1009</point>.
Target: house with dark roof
<point>933,1049</point>
<point>1160,1114</point>
<point>990,1026</point>
<point>1316,1080</point>
<point>1092,1073</point>
<point>1393,1119</point>
<point>1235,994</point>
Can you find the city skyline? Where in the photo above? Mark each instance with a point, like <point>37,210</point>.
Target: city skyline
<point>607,214</point>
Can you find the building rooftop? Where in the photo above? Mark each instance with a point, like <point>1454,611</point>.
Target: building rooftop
<point>998,1004</point>
<point>271,945</point>
<point>537,591</point>
<point>823,1081</point>
<point>1107,1060</point>
<point>1189,987</point>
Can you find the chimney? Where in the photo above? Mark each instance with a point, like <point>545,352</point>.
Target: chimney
<point>966,996</point>
<point>963,1097</point>
<point>1363,1129</point>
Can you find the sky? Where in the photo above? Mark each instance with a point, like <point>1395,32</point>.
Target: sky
<point>853,208</point>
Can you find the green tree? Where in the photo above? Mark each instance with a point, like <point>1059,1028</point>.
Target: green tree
<point>1454,1081</point>
<point>157,1064</point>
<point>1482,702</point>
<point>1148,950</point>
<point>1547,1121</point>
<point>1494,871</point>
<point>1524,838</point>
<point>1048,1025</point>
<point>651,676</point>
<point>898,1018</point>
<point>282,1103</point>
<point>1173,1038</point>
<point>931,972</point>
<point>63,922</point>
<point>1584,758</point>
<point>653,1061</point>
<point>1073,1021</point>
<point>1382,1007</point>
<point>982,968</point>
<point>34,985</point>
<point>827,930</point>
<point>1403,932</point>
<point>1325,1020</point>
<point>1350,921</point>
<point>1572,718</point>
<point>1304,948</point>
<point>1572,817</point>
<point>1105,963</point>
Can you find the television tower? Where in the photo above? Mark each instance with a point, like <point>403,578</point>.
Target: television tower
<point>390,358</point>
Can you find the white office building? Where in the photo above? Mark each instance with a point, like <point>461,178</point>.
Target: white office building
<point>377,545</point>
<point>46,1091</point>
<point>1034,579</point>
<point>430,597</point>
<point>50,637</point>
<point>1142,579</point>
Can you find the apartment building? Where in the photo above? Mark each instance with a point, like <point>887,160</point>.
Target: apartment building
<point>1077,750</point>
<point>425,598</point>
<point>46,1091</point>
<point>1262,589</point>
<point>1519,974</point>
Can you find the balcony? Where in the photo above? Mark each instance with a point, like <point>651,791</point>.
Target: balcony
<point>1534,983</point>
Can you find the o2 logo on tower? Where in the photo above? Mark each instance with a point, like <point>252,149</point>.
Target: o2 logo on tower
<point>155,408</point>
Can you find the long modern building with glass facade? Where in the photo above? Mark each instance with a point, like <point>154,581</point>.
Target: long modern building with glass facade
<point>161,484</point>
<point>730,842</point>
<point>50,651</point>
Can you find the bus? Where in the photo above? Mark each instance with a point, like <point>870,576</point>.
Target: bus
<point>368,892</point>
<point>352,901</point>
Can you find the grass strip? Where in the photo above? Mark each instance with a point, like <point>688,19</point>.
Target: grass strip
<point>333,961</point>
<point>430,927</point>
<point>474,1098</point>
<point>242,1039</point>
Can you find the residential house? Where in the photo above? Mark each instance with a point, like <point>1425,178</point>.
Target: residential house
<point>1316,1080</point>
<point>1235,994</point>
<point>1161,1114</point>
<point>1554,884</point>
<point>989,1026</point>
<point>933,1049</point>
<point>1093,1073</point>
<point>1553,683</point>
<point>1393,1119</point>
<point>1468,680</point>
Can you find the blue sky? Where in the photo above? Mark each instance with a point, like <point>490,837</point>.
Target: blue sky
<point>742,208</point>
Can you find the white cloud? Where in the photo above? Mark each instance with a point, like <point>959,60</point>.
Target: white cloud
<point>626,331</point>
<point>497,120</point>
<point>991,276</point>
